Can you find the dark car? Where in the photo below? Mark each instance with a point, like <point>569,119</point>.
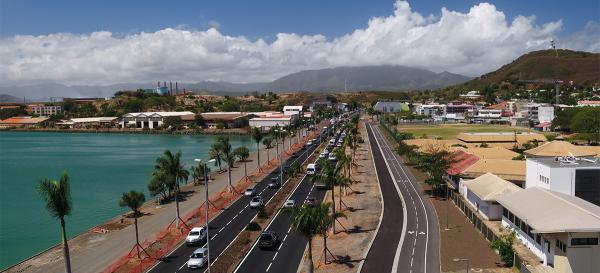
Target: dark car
<point>275,182</point>
<point>295,155</point>
<point>311,201</point>
<point>268,240</point>
<point>286,168</point>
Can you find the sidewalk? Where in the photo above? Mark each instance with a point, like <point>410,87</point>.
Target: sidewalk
<point>93,252</point>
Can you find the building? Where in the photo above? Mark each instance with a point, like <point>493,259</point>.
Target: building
<point>266,122</point>
<point>390,106</point>
<point>293,110</point>
<point>457,110</point>
<point>560,148</point>
<point>103,122</point>
<point>227,119</point>
<point>561,230</point>
<point>152,120</point>
<point>24,122</point>
<point>592,103</point>
<point>575,176</point>
<point>482,192</point>
<point>471,95</point>
<point>504,139</point>
<point>322,103</point>
<point>511,170</point>
<point>43,110</point>
<point>492,152</point>
<point>545,114</point>
<point>535,112</point>
<point>429,109</point>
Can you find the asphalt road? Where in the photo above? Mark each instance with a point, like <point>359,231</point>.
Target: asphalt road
<point>225,227</point>
<point>408,238</point>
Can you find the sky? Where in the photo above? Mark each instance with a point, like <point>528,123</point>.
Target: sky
<point>107,42</point>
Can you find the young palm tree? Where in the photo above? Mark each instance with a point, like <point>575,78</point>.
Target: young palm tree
<point>216,153</point>
<point>257,135</point>
<point>243,154</point>
<point>134,200</point>
<point>198,173</point>
<point>173,170</point>
<point>326,223</point>
<point>268,143</point>
<point>308,221</point>
<point>329,175</point>
<point>57,197</point>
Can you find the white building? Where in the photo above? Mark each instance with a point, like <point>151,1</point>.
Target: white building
<point>429,109</point>
<point>545,114</point>
<point>390,106</point>
<point>93,121</point>
<point>593,103</point>
<point>293,110</point>
<point>561,230</point>
<point>265,123</point>
<point>569,175</point>
<point>471,95</point>
<point>482,191</point>
<point>44,110</point>
<point>152,120</point>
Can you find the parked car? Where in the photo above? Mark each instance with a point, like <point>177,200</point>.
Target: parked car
<point>275,182</point>
<point>249,192</point>
<point>256,202</point>
<point>196,236</point>
<point>311,201</point>
<point>268,240</point>
<point>289,203</point>
<point>198,259</point>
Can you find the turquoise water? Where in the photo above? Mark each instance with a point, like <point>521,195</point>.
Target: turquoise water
<point>101,167</point>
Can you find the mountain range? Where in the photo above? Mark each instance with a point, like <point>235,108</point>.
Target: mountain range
<point>360,78</point>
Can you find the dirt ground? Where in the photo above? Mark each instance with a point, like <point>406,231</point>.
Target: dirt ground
<point>362,206</point>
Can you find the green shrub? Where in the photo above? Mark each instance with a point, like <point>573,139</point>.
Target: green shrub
<point>262,214</point>
<point>253,226</point>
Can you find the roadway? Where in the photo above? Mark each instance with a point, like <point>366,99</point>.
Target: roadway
<point>408,238</point>
<point>226,226</point>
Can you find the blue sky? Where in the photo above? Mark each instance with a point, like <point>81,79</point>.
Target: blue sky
<point>253,19</point>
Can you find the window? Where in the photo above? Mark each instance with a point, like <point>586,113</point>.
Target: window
<point>517,222</point>
<point>584,241</point>
<point>560,245</point>
<point>505,212</point>
<point>538,239</point>
<point>511,217</point>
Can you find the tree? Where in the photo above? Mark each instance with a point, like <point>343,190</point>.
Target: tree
<point>268,143</point>
<point>504,245</point>
<point>57,197</point>
<point>242,154</point>
<point>329,176</point>
<point>171,169</point>
<point>134,200</point>
<point>308,221</point>
<point>435,163</point>
<point>216,153</point>
<point>160,184</point>
<point>174,123</point>
<point>257,135</point>
<point>198,173</point>
<point>587,121</point>
<point>199,121</point>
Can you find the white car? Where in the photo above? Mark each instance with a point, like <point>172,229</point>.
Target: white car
<point>256,202</point>
<point>309,143</point>
<point>198,259</point>
<point>196,236</point>
<point>289,203</point>
<point>249,192</point>
<point>323,155</point>
<point>332,157</point>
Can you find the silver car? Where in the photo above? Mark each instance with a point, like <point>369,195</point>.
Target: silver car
<point>256,202</point>
<point>198,259</point>
<point>249,192</point>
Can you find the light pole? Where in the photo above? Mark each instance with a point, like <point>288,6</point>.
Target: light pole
<point>207,202</point>
<point>278,133</point>
<point>462,260</point>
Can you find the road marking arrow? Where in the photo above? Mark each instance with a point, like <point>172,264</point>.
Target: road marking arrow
<point>422,233</point>
<point>410,232</point>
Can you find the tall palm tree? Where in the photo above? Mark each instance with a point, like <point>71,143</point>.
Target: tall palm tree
<point>257,135</point>
<point>308,221</point>
<point>243,153</point>
<point>329,175</point>
<point>268,143</point>
<point>326,222</point>
<point>216,153</point>
<point>134,200</point>
<point>172,168</point>
<point>228,156</point>
<point>57,197</point>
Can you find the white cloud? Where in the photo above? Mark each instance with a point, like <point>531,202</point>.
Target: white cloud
<point>470,43</point>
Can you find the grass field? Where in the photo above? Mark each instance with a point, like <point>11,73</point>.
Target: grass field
<point>449,131</point>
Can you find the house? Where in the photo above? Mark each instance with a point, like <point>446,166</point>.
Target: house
<point>43,110</point>
<point>322,103</point>
<point>482,192</point>
<point>575,176</point>
<point>461,161</point>
<point>104,122</point>
<point>152,120</point>
<point>24,122</point>
<point>497,152</point>
<point>390,106</point>
<point>561,230</point>
<point>511,170</point>
<point>559,148</point>
<point>471,95</point>
<point>457,110</point>
<point>227,119</point>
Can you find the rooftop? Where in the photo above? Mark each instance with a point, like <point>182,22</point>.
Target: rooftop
<point>23,120</point>
<point>224,115</point>
<point>489,186</point>
<point>550,212</point>
<point>560,148</point>
<point>513,170</point>
<point>522,137</point>
<point>567,162</point>
<point>492,153</point>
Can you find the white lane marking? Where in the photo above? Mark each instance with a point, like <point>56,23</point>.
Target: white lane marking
<point>289,229</point>
<point>221,230</point>
<point>269,267</point>
<point>274,257</point>
<point>285,237</point>
<point>228,223</point>
<point>182,266</point>
<point>235,216</point>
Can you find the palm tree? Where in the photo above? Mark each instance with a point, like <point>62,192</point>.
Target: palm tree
<point>57,197</point>
<point>216,153</point>
<point>243,153</point>
<point>257,135</point>
<point>308,221</point>
<point>329,175</point>
<point>268,143</point>
<point>173,170</point>
<point>134,200</point>
<point>326,222</point>
<point>228,156</point>
<point>198,173</point>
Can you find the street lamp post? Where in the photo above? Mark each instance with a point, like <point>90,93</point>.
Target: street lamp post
<point>278,133</point>
<point>207,202</point>
<point>462,260</point>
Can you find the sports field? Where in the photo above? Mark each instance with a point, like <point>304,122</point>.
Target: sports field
<point>449,131</point>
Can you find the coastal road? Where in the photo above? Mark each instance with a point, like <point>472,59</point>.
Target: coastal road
<point>288,256</point>
<point>408,238</point>
<point>225,227</point>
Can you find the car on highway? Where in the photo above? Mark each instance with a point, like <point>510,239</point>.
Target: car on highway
<point>198,259</point>
<point>250,192</point>
<point>268,240</point>
<point>290,203</point>
<point>311,168</point>
<point>339,144</point>
<point>196,236</point>
<point>322,155</point>
<point>295,155</point>
<point>311,201</point>
<point>332,157</point>
<point>309,143</point>
<point>275,182</point>
<point>256,202</point>
<point>286,169</point>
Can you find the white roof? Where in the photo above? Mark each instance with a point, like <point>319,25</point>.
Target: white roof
<point>551,212</point>
<point>94,119</point>
<point>160,114</point>
<point>284,118</point>
<point>489,186</point>
<point>292,108</point>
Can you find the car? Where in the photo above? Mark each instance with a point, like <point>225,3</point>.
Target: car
<point>256,202</point>
<point>290,203</point>
<point>311,168</point>
<point>295,155</point>
<point>198,259</point>
<point>332,157</point>
<point>311,201</point>
<point>249,192</point>
<point>303,147</point>
<point>268,240</point>
<point>275,182</point>
<point>309,143</point>
<point>285,169</point>
<point>323,155</point>
<point>339,144</point>
<point>332,141</point>
<point>196,236</point>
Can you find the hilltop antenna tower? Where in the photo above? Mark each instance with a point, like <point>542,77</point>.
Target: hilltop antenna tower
<point>553,46</point>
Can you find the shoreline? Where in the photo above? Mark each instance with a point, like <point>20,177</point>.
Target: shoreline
<point>236,131</point>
